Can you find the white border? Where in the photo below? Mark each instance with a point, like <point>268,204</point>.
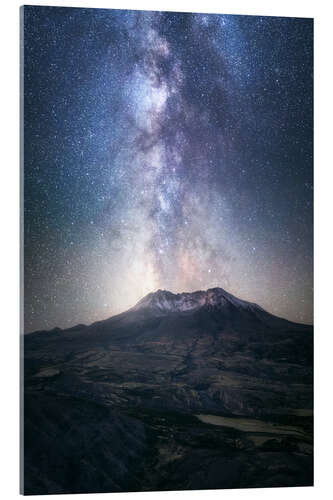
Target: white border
<point>9,199</point>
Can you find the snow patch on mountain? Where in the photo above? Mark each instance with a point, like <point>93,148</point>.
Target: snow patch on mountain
<point>165,301</point>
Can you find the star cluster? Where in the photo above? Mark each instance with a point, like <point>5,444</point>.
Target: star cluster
<point>165,150</point>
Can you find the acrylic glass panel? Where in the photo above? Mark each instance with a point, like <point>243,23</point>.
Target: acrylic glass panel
<point>168,259</point>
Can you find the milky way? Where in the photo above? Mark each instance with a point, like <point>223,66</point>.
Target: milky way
<point>169,151</point>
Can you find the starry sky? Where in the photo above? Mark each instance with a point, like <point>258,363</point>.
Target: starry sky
<point>165,150</point>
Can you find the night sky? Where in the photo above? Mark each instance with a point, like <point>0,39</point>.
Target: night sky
<point>165,150</point>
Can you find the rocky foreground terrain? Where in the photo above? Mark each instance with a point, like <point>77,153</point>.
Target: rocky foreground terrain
<point>183,391</point>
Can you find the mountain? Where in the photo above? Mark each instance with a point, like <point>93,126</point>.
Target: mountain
<point>119,400</point>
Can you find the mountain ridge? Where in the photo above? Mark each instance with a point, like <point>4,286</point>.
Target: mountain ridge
<point>165,302</point>
<point>185,301</point>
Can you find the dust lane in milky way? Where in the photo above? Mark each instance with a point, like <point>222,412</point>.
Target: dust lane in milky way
<point>169,151</point>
